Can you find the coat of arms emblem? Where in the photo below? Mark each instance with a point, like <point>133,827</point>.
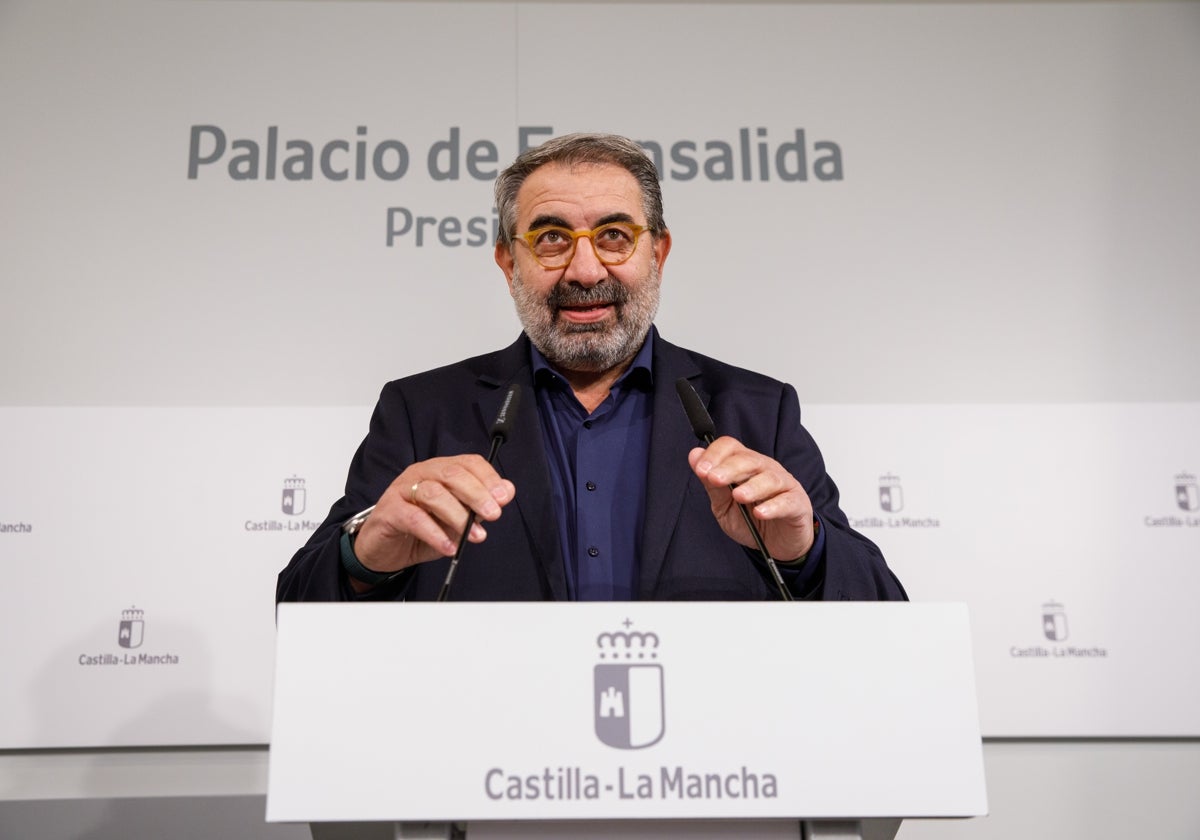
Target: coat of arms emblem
<point>1186,494</point>
<point>295,497</point>
<point>891,494</point>
<point>1054,622</point>
<point>628,690</point>
<point>132,628</point>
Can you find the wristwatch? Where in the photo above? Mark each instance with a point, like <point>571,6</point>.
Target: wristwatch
<point>352,525</point>
<point>350,560</point>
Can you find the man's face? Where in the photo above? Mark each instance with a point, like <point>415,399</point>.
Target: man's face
<point>586,316</point>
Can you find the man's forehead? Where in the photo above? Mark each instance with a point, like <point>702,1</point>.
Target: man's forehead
<point>602,188</point>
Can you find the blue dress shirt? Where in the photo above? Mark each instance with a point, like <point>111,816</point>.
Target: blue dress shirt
<point>598,476</point>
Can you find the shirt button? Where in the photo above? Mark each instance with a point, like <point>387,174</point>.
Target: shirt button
<point>591,485</point>
<point>587,424</point>
<point>593,552</point>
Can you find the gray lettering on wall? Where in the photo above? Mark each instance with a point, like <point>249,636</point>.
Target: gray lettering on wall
<point>251,160</point>
<point>755,156</point>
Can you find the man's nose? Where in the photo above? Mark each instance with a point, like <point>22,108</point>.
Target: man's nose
<point>585,267</point>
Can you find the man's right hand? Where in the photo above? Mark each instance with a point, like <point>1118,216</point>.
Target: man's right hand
<point>421,515</point>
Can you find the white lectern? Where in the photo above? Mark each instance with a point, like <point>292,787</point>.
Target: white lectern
<point>623,719</point>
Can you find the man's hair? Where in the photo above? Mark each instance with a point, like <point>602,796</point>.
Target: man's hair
<point>571,150</point>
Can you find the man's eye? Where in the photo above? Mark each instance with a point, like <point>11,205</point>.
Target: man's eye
<point>552,237</point>
<point>614,236</point>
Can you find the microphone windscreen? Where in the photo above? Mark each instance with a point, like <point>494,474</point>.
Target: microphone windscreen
<point>702,423</point>
<point>506,417</point>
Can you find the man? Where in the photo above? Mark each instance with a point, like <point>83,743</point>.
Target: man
<point>601,492</point>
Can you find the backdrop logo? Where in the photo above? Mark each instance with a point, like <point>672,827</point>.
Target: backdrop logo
<point>132,628</point>
<point>295,497</point>
<point>130,634</point>
<point>892,502</point>
<point>1186,494</point>
<point>628,691</point>
<point>293,501</point>
<point>1054,628</point>
<point>1054,621</point>
<point>891,494</point>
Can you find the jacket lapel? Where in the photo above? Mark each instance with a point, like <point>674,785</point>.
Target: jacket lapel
<point>667,474</point>
<point>522,458</point>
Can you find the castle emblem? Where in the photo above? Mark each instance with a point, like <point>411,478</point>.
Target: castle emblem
<point>1186,494</point>
<point>891,494</point>
<point>1054,621</point>
<point>132,628</point>
<point>628,689</point>
<point>295,497</point>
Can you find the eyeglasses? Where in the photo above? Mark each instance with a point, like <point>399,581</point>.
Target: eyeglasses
<point>554,247</point>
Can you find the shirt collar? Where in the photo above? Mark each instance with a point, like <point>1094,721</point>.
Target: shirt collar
<point>643,364</point>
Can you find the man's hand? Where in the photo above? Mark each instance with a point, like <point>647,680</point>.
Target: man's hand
<point>776,500</point>
<point>421,515</point>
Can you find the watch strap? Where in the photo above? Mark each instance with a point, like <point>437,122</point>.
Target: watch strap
<point>356,569</point>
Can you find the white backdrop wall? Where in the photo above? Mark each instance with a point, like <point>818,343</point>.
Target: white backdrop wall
<point>984,288</point>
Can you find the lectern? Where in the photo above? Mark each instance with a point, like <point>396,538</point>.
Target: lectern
<point>623,719</point>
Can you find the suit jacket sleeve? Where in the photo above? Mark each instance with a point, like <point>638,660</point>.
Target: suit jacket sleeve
<point>854,568</point>
<point>315,572</point>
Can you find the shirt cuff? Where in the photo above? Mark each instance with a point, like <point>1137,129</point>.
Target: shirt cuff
<point>804,580</point>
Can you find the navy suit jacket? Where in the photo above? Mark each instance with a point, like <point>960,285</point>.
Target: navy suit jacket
<point>685,555</point>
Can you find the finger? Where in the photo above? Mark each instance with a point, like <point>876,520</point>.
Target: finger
<point>450,515</point>
<point>476,466</point>
<point>421,509</point>
<point>434,510</point>
<point>398,533</point>
<point>469,480</point>
<point>730,463</point>
<point>757,481</point>
<point>419,524</point>
<point>431,498</point>
<point>792,505</point>
<point>763,487</point>
<point>705,460</point>
<point>717,458</point>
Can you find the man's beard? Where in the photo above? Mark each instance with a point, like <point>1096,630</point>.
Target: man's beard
<point>588,347</point>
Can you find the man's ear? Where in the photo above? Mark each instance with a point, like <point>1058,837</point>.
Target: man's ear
<point>504,259</point>
<point>662,247</point>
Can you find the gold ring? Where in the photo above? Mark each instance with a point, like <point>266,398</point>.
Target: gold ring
<point>412,493</point>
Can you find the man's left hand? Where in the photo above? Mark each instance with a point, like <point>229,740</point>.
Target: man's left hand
<point>775,498</point>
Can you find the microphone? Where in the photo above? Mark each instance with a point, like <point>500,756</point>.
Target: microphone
<point>502,427</point>
<point>706,431</point>
<point>505,418</point>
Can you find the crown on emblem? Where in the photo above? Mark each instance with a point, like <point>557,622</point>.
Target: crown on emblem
<point>1052,606</point>
<point>889,479</point>
<point>627,644</point>
<point>293,483</point>
<point>132,614</point>
<point>1186,477</point>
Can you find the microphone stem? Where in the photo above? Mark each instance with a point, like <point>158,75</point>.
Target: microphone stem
<point>784,593</point>
<point>462,540</point>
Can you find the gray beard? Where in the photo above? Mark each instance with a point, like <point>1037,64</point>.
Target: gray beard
<point>593,348</point>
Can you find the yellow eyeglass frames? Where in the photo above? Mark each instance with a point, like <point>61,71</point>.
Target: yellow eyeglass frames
<point>554,247</point>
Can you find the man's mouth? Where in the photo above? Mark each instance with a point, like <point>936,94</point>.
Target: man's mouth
<point>587,306</point>
<point>585,313</point>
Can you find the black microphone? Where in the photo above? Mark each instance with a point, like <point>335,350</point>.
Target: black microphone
<point>698,416</point>
<point>706,431</point>
<point>505,418</point>
<point>501,428</point>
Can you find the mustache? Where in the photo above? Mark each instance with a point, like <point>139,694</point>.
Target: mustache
<point>607,291</point>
